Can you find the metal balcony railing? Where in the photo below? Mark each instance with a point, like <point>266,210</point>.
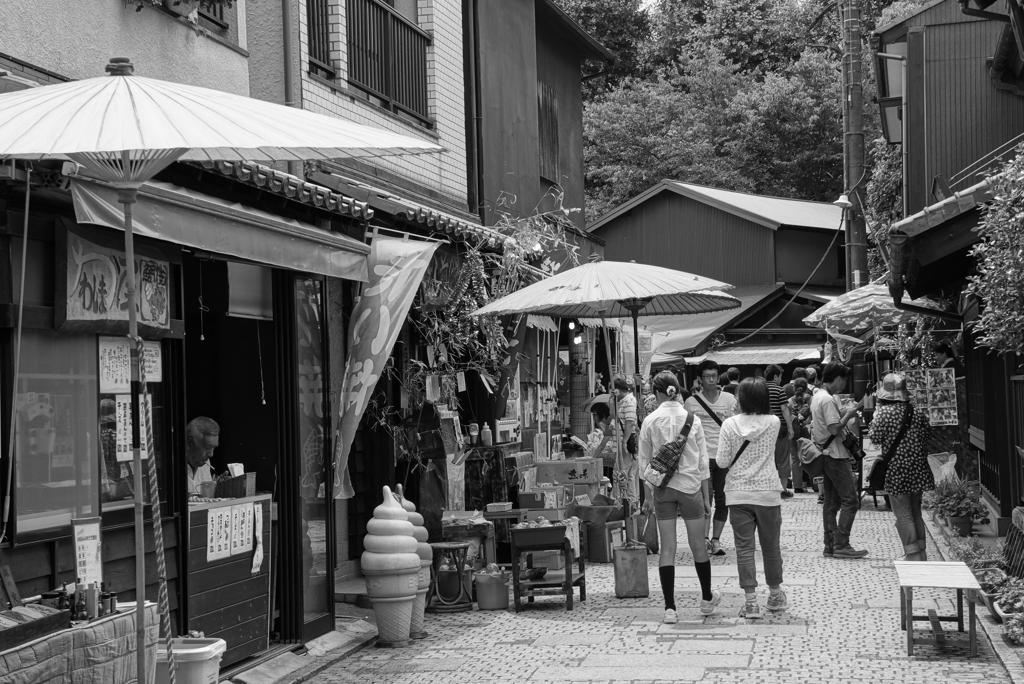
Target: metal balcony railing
<point>387,56</point>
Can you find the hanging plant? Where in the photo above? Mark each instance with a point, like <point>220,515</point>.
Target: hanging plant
<point>999,257</point>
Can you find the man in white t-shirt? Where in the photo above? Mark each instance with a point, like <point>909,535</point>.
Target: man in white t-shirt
<point>839,488</point>
<point>712,406</point>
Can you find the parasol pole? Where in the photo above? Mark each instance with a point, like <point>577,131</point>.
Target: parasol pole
<point>127,196</point>
<point>615,413</point>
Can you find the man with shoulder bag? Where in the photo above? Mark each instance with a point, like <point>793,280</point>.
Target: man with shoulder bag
<point>836,463</point>
<point>713,406</point>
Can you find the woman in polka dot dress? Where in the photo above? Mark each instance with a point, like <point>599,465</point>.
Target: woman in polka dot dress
<point>908,475</point>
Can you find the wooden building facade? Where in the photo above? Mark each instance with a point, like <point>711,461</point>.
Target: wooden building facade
<point>964,112</point>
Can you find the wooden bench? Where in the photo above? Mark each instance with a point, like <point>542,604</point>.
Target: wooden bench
<point>939,575</point>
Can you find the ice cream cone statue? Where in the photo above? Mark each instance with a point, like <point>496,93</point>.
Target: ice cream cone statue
<point>426,555</point>
<point>391,566</point>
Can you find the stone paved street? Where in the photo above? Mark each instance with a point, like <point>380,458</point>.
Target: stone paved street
<point>842,626</point>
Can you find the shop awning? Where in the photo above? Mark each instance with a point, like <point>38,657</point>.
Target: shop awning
<point>193,219</point>
<point>674,335</point>
<point>759,356</point>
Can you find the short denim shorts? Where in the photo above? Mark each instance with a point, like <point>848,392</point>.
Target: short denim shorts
<point>671,503</point>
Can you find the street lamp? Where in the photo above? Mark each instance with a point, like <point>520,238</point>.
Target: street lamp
<point>892,71</point>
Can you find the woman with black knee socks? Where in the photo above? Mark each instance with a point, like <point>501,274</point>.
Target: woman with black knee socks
<point>687,494</point>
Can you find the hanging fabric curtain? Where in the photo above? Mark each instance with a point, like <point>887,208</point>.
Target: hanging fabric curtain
<point>396,268</point>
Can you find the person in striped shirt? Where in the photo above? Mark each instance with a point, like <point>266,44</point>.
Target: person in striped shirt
<point>777,400</point>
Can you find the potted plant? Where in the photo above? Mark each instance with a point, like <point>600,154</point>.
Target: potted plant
<point>1013,629</point>
<point>962,507</point>
<point>1009,597</point>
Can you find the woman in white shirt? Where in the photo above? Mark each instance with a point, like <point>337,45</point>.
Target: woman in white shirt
<point>746,446</point>
<point>687,494</point>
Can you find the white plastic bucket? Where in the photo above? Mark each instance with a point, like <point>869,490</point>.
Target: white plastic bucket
<point>197,661</point>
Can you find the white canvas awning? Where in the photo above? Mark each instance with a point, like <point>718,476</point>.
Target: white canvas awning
<point>194,219</point>
<point>759,356</point>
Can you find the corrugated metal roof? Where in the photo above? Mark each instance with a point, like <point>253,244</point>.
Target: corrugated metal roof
<point>770,212</point>
<point>773,211</point>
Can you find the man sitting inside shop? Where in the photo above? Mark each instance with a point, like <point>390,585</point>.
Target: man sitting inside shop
<point>202,436</point>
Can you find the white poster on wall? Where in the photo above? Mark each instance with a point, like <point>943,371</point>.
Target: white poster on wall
<point>241,528</point>
<point>88,550</point>
<point>115,371</point>
<point>123,416</point>
<point>218,533</point>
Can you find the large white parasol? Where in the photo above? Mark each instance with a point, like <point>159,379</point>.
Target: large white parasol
<point>124,129</point>
<point>617,289</point>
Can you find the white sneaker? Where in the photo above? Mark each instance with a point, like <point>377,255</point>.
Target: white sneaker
<point>670,617</point>
<point>708,607</point>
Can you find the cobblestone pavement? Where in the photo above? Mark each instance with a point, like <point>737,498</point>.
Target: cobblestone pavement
<point>842,626</point>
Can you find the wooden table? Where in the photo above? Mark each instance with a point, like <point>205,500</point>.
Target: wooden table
<point>555,582</point>
<point>939,575</point>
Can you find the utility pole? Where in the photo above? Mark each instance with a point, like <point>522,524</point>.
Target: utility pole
<point>853,143</point>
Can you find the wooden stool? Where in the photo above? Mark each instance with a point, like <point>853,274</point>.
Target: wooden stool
<point>940,575</point>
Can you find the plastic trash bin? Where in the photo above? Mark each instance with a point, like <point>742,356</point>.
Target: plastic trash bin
<point>197,661</point>
<point>491,592</point>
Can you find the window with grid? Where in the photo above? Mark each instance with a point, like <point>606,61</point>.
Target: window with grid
<point>319,38</point>
<point>387,55</point>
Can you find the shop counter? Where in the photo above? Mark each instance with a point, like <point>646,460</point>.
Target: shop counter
<point>229,557</point>
<point>100,651</point>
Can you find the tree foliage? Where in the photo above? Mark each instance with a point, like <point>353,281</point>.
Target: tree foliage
<point>712,124</point>
<point>999,256</point>
<point>622,26</point>
<point>884,201</point>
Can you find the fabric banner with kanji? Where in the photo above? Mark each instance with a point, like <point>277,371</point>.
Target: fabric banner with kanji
<point>396,268</point>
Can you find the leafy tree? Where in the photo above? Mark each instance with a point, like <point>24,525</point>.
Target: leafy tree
<point>787,131</point>
<point>759,36</point>
<point>883,204</point>
<point>672,25</point>
<point>647,130</point>
<point>999,255</point>
<point>622,26</point>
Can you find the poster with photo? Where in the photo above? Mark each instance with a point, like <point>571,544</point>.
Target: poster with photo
<point>942,397</point>
<point>934,390</point>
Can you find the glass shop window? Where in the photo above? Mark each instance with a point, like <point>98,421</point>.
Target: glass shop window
<point>116,477</point>
<point>55,432</point>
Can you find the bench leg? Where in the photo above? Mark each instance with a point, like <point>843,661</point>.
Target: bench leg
<point>972,634</point>
<point>903,610</point>
<point>908,593</point>
<point>960,610</point>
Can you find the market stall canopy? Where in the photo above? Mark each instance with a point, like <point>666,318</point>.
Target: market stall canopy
<point>193,219</point>
<point>759,356</point>
<point>605,289</point>
<point>866,307</point>
<point>673,336</point>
